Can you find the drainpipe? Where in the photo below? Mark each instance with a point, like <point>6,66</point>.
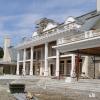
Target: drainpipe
<point>77,65</point>
<point>93,59</point>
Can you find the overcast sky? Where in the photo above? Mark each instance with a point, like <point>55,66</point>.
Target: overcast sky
<point>17,17</point>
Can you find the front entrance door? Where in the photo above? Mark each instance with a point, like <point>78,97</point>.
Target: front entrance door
<point>52,69</point>
<point>34,69</point>
<point>27,68</point>
<point>20,69</point>
<point>68,67</point>
<point>38,69</point>
<point>61,67</point>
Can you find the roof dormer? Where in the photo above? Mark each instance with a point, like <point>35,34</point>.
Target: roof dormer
<point>70,20</point>
<point>50,26</point>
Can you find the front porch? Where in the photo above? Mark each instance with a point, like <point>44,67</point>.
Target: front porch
<point>87,45</point>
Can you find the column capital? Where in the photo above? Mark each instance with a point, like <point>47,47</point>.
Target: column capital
<point>46,43</point>
<point>32,47</point>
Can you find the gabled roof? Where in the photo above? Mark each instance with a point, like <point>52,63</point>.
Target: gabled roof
<point>13,53</point>
<point>87,21</point>
<point>90,22</point>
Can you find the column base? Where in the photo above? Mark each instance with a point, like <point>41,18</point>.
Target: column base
<point>83,75</point>
<point>73,74</point>
<point>70,79</point>
<point>46,73</point>
<point>31,72</point>
<point>23,73</point>
<point>17,73</point>
<point>57,73</point>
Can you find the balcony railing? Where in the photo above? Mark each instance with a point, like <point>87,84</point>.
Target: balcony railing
<point>61,28</point>
<point>78,37</point>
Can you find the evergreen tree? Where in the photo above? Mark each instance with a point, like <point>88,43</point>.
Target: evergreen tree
<point>1,52</point>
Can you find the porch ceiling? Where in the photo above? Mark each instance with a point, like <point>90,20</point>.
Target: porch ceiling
<point>90,51</point>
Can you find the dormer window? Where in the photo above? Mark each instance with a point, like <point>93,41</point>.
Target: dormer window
<point>70,20</point>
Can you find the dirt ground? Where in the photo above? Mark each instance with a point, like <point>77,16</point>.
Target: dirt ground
<point>4,95</point>
<point>49,96</point>
<point>69,95</point>
<point>49,93</point>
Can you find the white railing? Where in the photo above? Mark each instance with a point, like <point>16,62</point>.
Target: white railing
<point>56,30</point>
<point>78,37</point>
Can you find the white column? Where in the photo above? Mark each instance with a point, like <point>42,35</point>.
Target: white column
<point>18,55</point>
<point>73,74</point>
<point>24,61</point>
<point>41,64</point>
<point>31,62</point>
<point>85,66</point>
<point>46,60</point>
<point>57,62</point>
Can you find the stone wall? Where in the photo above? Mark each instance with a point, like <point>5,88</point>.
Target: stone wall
<point>91,68</point>
<point>91,71</point>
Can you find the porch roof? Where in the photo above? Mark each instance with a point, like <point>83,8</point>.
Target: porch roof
<point>89,51</point>
<point>89,45</point>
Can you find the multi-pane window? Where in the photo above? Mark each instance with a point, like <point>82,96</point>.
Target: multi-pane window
<point>28,53</point>
<point>34,55</point>
<point>61,67</point>
<point>21,55</point>
<point>52,51</point>
<point>37,54</point>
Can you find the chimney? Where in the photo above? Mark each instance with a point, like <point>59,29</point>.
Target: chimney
<point>6,48</point>
<point>98,5</point>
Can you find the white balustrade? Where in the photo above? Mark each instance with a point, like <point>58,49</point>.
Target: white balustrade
<point>78,37</point>
<point>56,30</point>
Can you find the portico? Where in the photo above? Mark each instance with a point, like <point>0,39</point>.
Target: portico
<point>50,50</point>
<point>43,60</point>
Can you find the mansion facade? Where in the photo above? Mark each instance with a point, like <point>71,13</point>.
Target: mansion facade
<point>37,55</point>
<point>40,54</point>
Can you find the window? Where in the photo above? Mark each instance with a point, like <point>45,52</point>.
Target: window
<point>61,67</point>
<point>34,55</point>
<point>38,54</point>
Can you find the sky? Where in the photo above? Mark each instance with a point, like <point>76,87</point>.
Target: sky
<point>18,17</point>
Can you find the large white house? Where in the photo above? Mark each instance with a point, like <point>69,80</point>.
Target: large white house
<point>46,53</point>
